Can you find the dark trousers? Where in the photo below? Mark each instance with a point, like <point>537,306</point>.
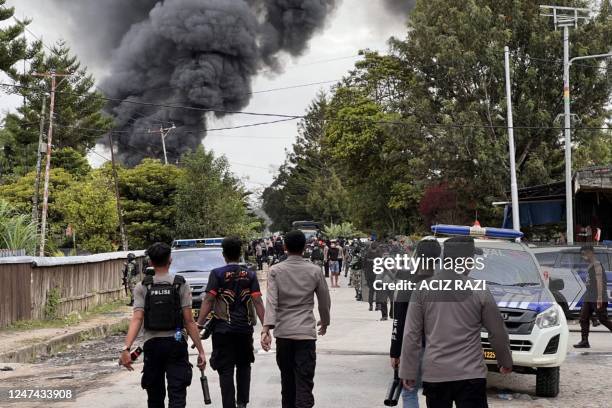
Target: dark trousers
<point>326,268</point>
<point>166,357</point>
<point>465,394</point>
<point>233,353</point>
<point>384,298</point>
<point>296,360</point>
<point>371,292</point>
<point>585,317</point>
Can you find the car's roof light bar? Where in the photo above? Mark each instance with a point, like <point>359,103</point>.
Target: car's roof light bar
<point>476,232</point>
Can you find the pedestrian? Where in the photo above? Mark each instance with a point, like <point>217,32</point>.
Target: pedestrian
<point>130,277</point>
<point>595,298</point>
<point>259,254</point>
<point>292,286</point>
<point>356,270</point>
<point>340,245</point>
<point>334,264</point>
<point>162,307</point>
<point>453,368</point>
<point>234,297</point>
<point>373,252</point>
<point>326,245</point>
<point>426,249</point>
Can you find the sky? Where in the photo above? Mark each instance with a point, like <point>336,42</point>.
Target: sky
<point>254,153</point>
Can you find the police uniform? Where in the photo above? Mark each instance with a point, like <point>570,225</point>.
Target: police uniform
<point>165,344</point>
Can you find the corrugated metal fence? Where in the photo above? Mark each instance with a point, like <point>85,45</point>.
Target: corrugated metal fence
<point>28,284</point>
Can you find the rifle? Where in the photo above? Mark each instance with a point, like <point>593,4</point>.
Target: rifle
<point>125,281</point>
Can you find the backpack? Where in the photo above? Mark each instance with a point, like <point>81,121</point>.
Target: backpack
<point>163,311</point>
<point>317,254</point>
<point>333,254</point>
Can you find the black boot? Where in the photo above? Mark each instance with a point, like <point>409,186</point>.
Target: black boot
<point>584,343</point>
<point>370,309</point>
<point>241,405</point>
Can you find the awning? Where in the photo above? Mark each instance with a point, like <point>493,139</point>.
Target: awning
<point>537,213</point>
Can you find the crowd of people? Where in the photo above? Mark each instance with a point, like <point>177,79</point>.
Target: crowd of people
<point>427,327</point>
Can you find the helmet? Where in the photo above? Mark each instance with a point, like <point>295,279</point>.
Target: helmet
<point>131,256</point>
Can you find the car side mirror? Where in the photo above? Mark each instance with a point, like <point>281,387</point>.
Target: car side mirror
<point>556,284</point>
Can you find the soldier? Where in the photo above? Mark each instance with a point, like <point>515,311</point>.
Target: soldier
<point>356,267</point>
<point>130,277</point>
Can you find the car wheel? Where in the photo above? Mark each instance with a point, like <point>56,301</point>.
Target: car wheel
<point>547,382</point>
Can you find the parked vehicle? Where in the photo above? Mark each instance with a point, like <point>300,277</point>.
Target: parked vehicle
<point>535,322</point>
<point>566,264</point>
<point>195,264</point>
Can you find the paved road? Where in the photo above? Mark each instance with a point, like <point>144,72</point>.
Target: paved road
<point>352,371</point>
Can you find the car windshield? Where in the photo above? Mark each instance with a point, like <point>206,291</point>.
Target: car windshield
<point>196,260</point>
<point>507,267</point>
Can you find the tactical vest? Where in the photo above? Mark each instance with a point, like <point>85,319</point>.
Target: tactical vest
<point>163,311</point>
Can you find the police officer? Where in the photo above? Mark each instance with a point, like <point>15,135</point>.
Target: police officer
<point>130,276</point>
<point>234,297</point>
<point>162,303</point>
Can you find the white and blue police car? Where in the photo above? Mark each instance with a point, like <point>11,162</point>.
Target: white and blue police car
<point>535,323</point>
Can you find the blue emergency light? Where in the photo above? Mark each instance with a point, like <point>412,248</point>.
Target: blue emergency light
<point>196,243</point>
<point>476,232</point>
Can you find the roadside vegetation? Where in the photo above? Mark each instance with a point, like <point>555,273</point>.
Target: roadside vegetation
<point>418,136</point>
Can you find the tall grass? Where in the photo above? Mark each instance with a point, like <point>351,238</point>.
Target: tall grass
<point>17,231</point>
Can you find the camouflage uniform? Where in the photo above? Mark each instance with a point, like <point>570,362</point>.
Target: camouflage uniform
<point>355,279</point>
<point>130,277</point>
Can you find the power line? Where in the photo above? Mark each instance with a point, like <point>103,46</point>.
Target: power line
<point>294,117</point>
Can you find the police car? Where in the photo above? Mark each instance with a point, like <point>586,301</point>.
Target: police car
<point>194,259</point>
<point>565,263</point>
<point>535,323</point>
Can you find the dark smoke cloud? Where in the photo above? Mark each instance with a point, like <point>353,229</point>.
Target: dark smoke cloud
<point>400,6</point>
<point>197,53</point>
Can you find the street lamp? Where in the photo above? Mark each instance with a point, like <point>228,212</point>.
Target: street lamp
<point>567,17</point>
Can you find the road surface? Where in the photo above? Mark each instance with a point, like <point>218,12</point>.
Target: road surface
<point>352,370</point>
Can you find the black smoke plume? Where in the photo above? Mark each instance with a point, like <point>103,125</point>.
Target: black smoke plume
<point>400,6</point>
<point>196,53</point>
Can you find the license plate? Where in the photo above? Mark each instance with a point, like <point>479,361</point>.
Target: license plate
<point>489,355</point>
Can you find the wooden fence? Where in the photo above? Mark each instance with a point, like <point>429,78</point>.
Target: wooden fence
<point>28,286</point>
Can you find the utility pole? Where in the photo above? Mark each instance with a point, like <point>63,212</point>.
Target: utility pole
<point>163,133</point>
<point>566,17</point>
<point>516,221</point>
<point>38,163</point>
<point>124,240</point>
<point>43,226</point>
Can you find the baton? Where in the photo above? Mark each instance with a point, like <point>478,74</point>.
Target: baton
<point>205,391</point>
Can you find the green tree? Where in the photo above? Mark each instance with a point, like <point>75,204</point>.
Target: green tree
<point>148,194</point>
<point>89,208</point>
<point>210,201</point>
<point>13,47</point>
<point>19,195</point>
<point>72,161</point>
<point>453,62</point>
<point>79,120</point>
<point>306,186</point>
